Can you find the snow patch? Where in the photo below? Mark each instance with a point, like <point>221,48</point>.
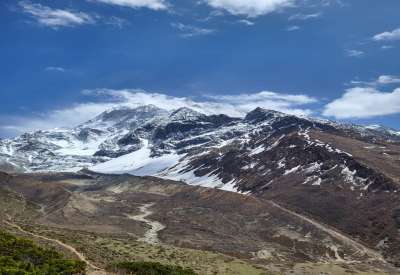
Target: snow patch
<point>282,163</point>
<point>138,163</point>
<point>294,169</point>
<point>257,150</point>
<point>313,167</point>
<point>276,143</point>
<point>314,180</point>
<point>229,186</point>
<point>250,166</point>
<point>350,177</point>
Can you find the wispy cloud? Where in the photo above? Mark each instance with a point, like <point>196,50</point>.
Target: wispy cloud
<point>387,47</point>
<point>188,31</point>
<point>250,8</point>
<point>388,79</point>
<point>364,102</point>
<point>293,28</point>
<point>104,99</point>
<point>67,117</point>
<point>339,3</point>
<point>304,17</point>
<point>240,104</point>
<point>234,105</point>
<point>55,69</point>
<point>246,22</point>
<point>136,4</point>
<point>55,18</point>
<point>212,15</point>
<point>116,22</point>
<point>388,36</point>
<point>382,80</point>
<point>355,53</point>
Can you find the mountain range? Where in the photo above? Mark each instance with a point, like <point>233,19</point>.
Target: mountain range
<point>344,176</point>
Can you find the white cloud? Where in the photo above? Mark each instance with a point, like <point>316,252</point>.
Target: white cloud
<point>387,47</point>
<point>55,18</point>
<point>388,36</point>
<point>136,4</point>
<point>55,69</point>
<point>293,28</point>
<point>354,53</point>
<point>191,31</point>
<point>304,17</point>
<point>116,22</point>
<point>239,105</point>
<point>364,102</point>
<point>250,8</point>
<point>212,15</point>
<point>104,99</point>
<point>388,79</point>
<point>380,81</point>
<point>233,105</point>
<point>66,117</point>
<point>339,3</point>
<point>246,22</point>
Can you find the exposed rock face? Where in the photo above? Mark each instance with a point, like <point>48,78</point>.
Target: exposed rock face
<point>119,146</point>
<point>344,175</point>
<point>118,132</point>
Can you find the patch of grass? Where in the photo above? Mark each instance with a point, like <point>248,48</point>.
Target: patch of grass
<point>103,249</point>
<point>19,256</point>
<point>150,268</point>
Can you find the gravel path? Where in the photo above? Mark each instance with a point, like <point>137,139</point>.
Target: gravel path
<point>151,235</point>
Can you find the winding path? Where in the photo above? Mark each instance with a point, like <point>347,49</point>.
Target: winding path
<point>345,239</point>
<point>93,270</point>
<point>151,235</point>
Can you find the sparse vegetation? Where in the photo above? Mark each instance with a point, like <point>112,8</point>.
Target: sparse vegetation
<point>19,256</point>
<point>150,268</point>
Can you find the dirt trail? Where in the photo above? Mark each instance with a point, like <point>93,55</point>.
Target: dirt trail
<point>151,235</point>
<point>92,269</point>
<point>345,239</point>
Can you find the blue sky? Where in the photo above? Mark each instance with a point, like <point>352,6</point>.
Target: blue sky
<point>337,59</point>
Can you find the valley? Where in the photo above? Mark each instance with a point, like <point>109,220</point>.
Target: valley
<point>269,193</point>
<point>212,231</point>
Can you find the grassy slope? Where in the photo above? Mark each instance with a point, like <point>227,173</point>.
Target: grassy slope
<point>104,249</point>
<point>22,256</point>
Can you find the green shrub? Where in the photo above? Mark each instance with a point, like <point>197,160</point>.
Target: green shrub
<point>19,256</point>
<point>150,268</point>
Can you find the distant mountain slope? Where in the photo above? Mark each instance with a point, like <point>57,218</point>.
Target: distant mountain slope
<point>347,176</point>
<point>155,133</point>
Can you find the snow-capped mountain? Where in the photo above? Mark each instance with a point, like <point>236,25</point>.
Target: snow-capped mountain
<point>334,172</point>
<point>182,144</point>
<point>383,129</point>
<point>238,154</point>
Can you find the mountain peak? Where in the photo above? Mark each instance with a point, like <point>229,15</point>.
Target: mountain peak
<point>124,111</point>
<point>125,115</point>
<point>261,114</point>
<point>185,113</point>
